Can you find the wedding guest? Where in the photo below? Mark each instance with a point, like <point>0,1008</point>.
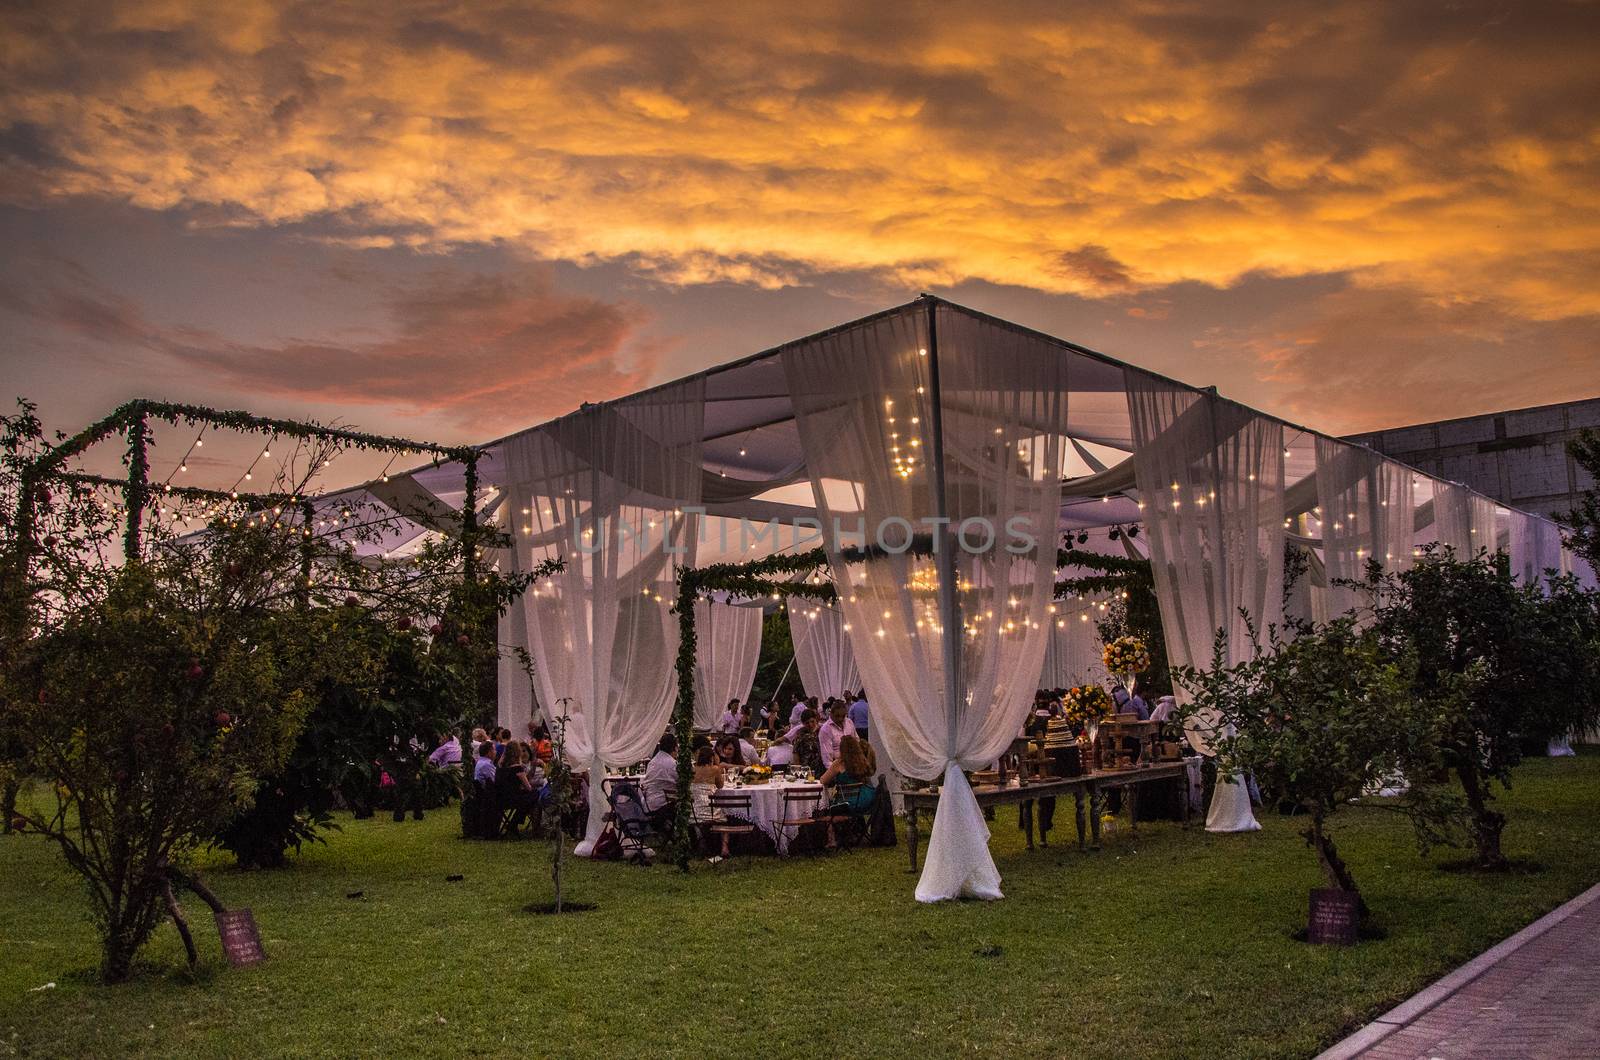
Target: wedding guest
<point>801,743</point>
<point>543,748</point>
<point>858,713</point>
<point>856,764</point>
<point>660,785</point>
<point>747,749</point>
<point>833,730</point>
<point>706,779</point>
<point>1129,704</point>
<point>446,755</point>
<point>728,750</point>
<point>730,718</point>
<point>483,770</point>
<point>515,787</point>
<point>799,708</point>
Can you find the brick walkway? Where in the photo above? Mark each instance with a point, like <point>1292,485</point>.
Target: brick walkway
<point>1536,995</point>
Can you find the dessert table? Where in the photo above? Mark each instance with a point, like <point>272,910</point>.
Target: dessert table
<point>1087,792</point>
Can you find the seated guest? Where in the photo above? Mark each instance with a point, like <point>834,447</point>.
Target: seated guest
<point>660,785</point>
<point>747,749</point>
<point>514,786</point>
<point>730,718</point>
<point>1164,708</point>
<point>802,744</point>
<point>483,770</point>
<point>833,730</point>
<point>446,755</point>
<point>728,751</point>
<point>543,748</point>
<point>706,780</point>
<point>855,764</point>
<point>779,752</point>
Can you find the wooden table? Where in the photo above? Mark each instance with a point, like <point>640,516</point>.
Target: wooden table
<point>1087,792</point>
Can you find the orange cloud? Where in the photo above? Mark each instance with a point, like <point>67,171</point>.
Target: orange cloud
<point>488,353</point>
<point>1450,150</point>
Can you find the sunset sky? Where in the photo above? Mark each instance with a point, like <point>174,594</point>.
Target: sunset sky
<point>454,220</point>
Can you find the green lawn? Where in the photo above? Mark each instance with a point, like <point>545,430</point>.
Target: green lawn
<point>1177,944</point>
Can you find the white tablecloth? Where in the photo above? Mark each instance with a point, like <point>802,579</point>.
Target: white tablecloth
<point>767,807</point>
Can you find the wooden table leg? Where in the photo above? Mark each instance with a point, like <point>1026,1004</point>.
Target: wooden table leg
<point>1097,804</point>
<point>1077,798</point>
<point>911,835</point>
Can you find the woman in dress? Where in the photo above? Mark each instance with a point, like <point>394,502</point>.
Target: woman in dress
<point>856,764</point>
<point>704,782</point>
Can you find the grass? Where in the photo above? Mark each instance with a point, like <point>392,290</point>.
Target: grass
<point>1178,943</point>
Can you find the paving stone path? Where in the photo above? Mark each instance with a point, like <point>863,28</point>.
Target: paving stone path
<point>1534,996</point>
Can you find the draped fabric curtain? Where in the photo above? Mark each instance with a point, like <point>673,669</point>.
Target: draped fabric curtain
<point>1575,565</point>
<point>1535,548</point>
<point>1210,477</point>
<point>1072,654</point>
<point>1366,516</point>
<point>607,491</point>
<point>727,644</point>
<point>1465,520</point>
<point>822,651</point>
<point>949,643</point>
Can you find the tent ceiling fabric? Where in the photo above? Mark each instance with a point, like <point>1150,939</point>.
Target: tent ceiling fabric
<point>750,445</point>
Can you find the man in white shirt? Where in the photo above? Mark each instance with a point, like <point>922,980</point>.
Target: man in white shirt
<point>660,785</point>
<point>836,728</point>
<point>795,711</point>
<point>730,718</point>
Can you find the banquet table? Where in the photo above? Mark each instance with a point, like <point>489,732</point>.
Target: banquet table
<point>766,804</point>
<point>767,808</point>
<point>1088,792</point>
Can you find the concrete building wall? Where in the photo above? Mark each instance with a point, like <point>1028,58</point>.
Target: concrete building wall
<point>1517,457</point>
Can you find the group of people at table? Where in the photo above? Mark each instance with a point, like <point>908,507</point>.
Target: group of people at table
<point>827,745</point>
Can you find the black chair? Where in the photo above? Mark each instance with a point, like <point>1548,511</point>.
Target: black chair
<point>632,822</point>
<point>846,824</point>
<point>732,817</point>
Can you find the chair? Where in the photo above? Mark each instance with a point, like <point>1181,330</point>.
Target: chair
<point>733,816</point>
<point>799,819</point>
<point>843,818</point>
<point>629,818</point>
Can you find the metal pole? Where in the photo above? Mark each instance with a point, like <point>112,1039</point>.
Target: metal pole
<point>944,548</point>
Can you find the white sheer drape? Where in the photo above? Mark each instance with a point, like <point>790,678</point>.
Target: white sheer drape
<point>1465,520</point>
<point>948,645</point>
<point>1210,477</point>
<point>1366,516</point>
<point>1535,547</point>
<point>606,490</point>
<point>822,651</point>
<point>727,644</point>
<point>1072,655</point>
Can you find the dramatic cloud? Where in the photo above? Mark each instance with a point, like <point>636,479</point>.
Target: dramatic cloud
<point>1063,148</point>
<point>488,353</point>
<point>1442,161</point>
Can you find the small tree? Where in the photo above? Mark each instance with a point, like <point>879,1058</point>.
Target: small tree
<point>1583,522</point>
<point>1498,663</point>
<point>1319,720</point>
<point>153,721</point>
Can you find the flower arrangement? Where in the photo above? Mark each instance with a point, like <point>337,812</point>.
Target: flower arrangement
<point>1126,655</point>
<point>1087,705</point>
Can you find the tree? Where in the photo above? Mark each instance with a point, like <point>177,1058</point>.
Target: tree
<point>1498,663</point>
<point>153,721</point>
<point>1319,720</point>
<point>1131,609</point>
<point>1583,522</point>
<point>777,675</point>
